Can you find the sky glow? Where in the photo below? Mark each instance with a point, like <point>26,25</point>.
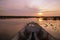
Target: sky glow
<point>13,7</point>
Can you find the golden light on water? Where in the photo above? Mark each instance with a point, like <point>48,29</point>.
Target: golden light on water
<point>40,19</point>
<point>40,14</point>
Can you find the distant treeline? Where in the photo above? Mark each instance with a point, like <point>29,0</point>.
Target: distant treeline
<point>44,17</point>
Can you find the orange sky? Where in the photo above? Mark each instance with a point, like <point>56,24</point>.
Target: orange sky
<point>29,7</point>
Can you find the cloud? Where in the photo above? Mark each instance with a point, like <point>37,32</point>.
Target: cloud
<point>23,11</point>
<point>16,7</point>
<point>19,7</point>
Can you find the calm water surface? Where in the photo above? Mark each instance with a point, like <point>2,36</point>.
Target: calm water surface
<point>10,27</point>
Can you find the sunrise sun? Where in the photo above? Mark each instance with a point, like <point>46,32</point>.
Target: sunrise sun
<point>40,14</point>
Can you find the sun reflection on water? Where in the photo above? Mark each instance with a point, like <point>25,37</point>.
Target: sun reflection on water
<point>40,19</point>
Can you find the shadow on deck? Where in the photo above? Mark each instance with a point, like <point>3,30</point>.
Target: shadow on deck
<point>33,31</point>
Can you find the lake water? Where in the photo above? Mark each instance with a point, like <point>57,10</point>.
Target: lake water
<point>10,27</point>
